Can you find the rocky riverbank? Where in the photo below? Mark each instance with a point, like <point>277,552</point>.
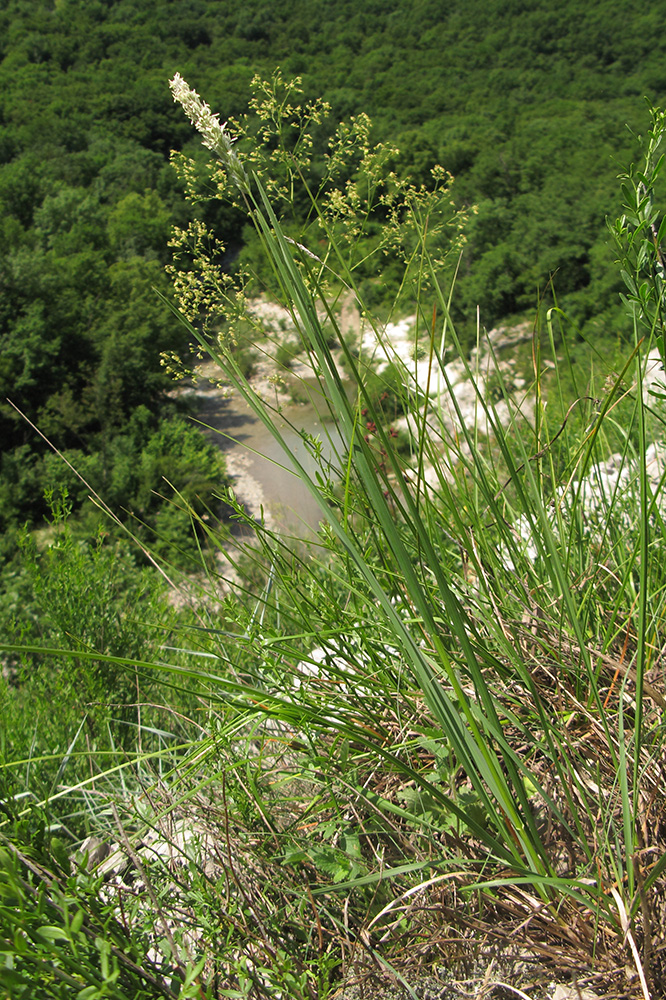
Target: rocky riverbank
<point>288,388</point>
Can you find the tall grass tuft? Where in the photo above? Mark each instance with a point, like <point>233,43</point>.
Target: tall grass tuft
<point>441,719</point>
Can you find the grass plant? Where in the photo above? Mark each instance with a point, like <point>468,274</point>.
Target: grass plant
<point>439,723</point>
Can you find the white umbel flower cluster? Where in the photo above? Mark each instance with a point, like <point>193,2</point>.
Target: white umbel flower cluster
<point>214,135</point>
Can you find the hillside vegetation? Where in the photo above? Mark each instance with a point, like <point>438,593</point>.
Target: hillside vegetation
<point>426,748</point>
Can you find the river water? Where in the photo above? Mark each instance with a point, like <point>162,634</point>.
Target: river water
<point>260,469</point>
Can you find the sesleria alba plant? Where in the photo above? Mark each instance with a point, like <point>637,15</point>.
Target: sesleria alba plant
<point>443,714</point>
<point>462,627</point>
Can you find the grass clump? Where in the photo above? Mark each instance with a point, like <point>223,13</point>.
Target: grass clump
<point>440,723</point>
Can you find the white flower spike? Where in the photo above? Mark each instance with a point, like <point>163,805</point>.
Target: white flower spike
<point>214,135</point>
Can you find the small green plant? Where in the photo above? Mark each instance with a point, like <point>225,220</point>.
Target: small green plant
<point>284,355</point>
<point>59,937</point>
<point>640,233</point>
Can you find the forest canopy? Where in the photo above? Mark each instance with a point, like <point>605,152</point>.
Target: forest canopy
<point>524,102</point>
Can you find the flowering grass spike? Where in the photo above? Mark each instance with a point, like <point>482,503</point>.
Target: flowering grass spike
<point>208,124</point>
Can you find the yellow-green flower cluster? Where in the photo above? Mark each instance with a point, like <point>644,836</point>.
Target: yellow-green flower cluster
<point>205,293</point>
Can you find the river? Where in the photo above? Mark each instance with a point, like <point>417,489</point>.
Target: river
<point>257,463</point>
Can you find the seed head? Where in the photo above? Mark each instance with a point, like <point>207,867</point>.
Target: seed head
<point>214,135</point>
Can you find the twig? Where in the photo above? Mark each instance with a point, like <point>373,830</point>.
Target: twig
<point>149,889</point>
<point>624,920</point>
